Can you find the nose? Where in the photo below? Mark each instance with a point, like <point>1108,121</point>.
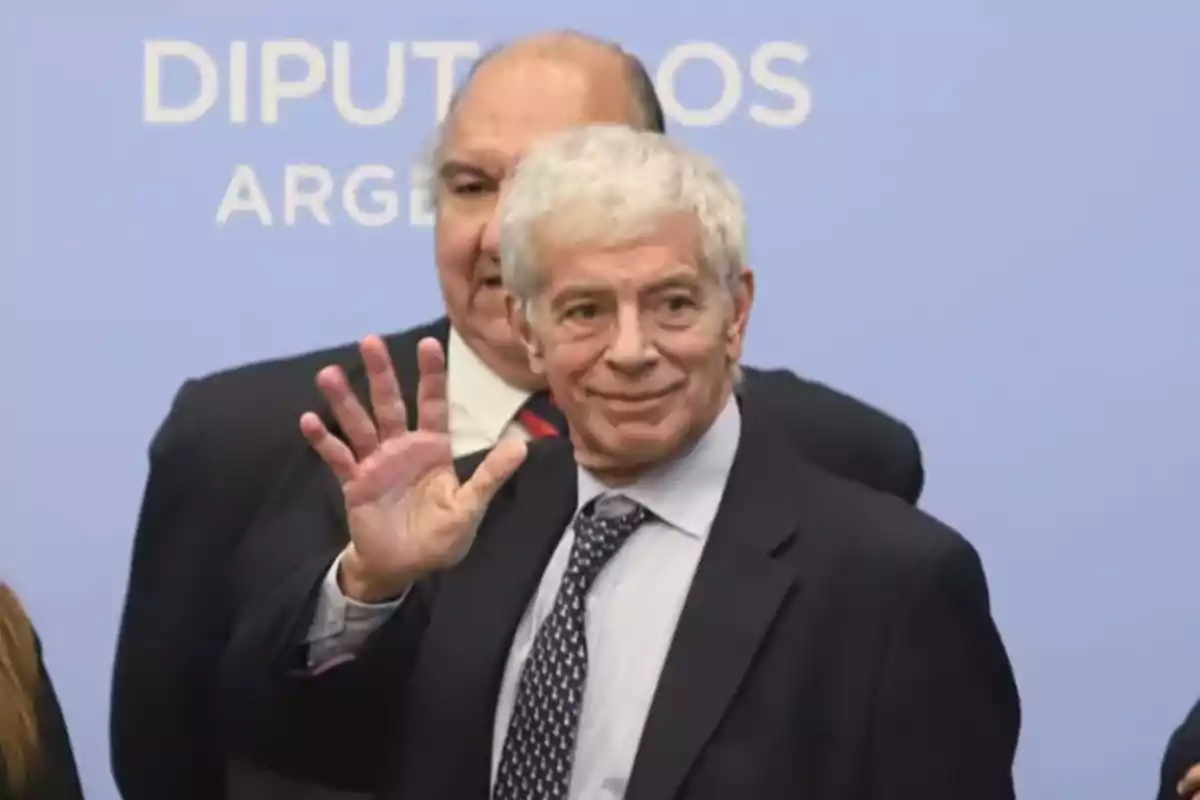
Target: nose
<point>489,239</point>
<point>631,351</point>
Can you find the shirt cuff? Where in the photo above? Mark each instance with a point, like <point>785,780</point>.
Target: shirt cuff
<point>341,624</point>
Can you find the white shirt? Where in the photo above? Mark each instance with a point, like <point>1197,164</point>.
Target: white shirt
<point>633,608</point>
<point>482,405</point>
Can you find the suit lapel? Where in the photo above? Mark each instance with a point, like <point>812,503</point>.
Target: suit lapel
<point>735,595</point>
<point>488,592</point>
<point>480,603</point>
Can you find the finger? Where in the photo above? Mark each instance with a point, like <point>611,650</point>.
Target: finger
<point>332,450</point>
<point>386,400</point>
<point>433,409</point>
<point>353,419</point>
<point>496,468</point>
<point>1190,783</point>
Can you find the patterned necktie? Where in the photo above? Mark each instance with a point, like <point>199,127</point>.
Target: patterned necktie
<point>539,749</point>
<point>541,418</point>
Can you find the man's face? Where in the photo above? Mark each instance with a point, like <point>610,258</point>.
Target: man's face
<point>637,344</point>
<point>510,103</point>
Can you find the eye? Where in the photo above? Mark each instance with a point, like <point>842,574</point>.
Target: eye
<point>582,311</point>
<point>469,189</point>
<point>679,302</point>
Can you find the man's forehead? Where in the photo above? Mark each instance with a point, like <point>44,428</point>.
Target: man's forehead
<point>549,58</point>
<point>668,251</point>
<point>514,100</point>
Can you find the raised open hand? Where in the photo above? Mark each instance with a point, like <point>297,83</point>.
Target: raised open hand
<point>408,513</point>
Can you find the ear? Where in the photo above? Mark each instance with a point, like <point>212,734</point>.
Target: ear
<point>519,318</point>
<point>743,299</point>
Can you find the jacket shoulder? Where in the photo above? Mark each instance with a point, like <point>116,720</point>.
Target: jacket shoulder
<point>255,403</point>
<point>841,433</point>
<point>276,376</point>
<point>843,408</point>
<point>873,528</point>
<point>263,400</point>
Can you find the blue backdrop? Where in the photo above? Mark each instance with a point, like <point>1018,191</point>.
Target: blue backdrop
<point>982,217</point>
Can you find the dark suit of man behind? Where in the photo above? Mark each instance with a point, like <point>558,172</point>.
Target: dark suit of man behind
<point>1182,755</point>
<point>227,439</point>
<point>836,643</point>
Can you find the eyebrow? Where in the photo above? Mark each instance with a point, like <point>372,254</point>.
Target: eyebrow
<point>577,293</point>
<point>675,280</point>
<point>678,280</point>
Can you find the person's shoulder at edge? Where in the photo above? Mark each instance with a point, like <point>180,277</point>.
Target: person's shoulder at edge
<point>1182,753</point>
<point>54,774</point>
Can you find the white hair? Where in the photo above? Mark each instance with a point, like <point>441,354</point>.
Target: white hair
<point>609,185</point>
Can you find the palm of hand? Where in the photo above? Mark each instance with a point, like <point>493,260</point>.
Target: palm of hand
<point>403,506</point>
<point>407,512</point>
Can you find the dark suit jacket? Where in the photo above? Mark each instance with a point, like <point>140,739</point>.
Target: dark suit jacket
<point>55,777</point>
<point>1183,753</point>
<point>836,644</point>
<point>226,441</point>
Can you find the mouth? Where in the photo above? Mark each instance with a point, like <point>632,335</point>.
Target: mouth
<point>492,282</point>
<point>634,399</point>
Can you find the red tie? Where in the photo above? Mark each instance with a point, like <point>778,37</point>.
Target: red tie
<point>540,417</point>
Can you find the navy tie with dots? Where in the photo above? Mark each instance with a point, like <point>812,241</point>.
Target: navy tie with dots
<point>539,748</point>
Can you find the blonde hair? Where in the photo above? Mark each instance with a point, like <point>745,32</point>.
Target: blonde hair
<point>19,679</point>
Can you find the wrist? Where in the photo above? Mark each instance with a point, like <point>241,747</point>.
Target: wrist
<point>364,586</point>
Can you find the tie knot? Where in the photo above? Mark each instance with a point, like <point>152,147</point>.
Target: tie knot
<point>540,417</point>
<point>601,527</point>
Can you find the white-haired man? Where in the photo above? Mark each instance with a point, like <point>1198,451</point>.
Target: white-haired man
<point>229,436</point>
<point>671,603</point>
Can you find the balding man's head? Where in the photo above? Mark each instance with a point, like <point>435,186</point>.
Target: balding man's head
<point>605,58</point>
<point>514,95</point>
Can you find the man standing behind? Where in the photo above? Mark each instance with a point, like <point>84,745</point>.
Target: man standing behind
<point>230,435</point>
<point>672,604</point>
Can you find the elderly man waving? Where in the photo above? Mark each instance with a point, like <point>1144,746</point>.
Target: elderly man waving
<point>671,602</point>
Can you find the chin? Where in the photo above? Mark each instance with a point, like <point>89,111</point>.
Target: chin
<point>644,443</point>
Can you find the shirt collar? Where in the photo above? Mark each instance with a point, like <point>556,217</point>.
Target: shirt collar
<point>686,492</point>
<point>482,395</point>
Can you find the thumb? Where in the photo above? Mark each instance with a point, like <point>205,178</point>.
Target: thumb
<point>497,467</point>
